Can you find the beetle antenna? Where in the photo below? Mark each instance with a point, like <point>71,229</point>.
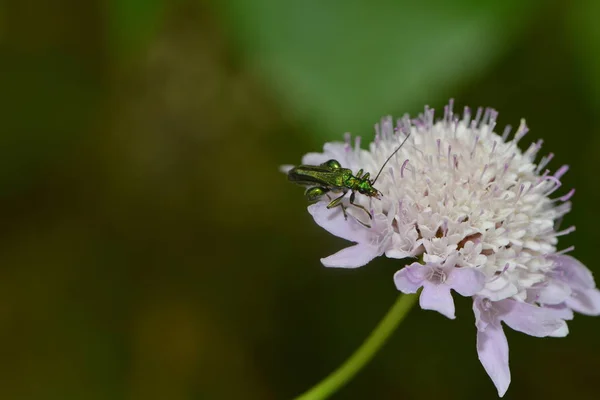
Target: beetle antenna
<point>390,157</point>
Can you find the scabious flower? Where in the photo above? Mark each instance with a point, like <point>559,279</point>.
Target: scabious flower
<point>480,214</point>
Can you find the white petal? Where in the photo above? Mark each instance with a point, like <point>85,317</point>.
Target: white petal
<point>351,257</point>
<point>437,298</point>
<point>466,281</point>
<point>492,348</point>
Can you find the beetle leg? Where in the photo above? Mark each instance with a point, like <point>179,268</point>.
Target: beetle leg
<point>337,202</point>
<point>352,196</point>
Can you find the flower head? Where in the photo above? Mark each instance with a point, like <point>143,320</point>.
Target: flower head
<point>480,212</point>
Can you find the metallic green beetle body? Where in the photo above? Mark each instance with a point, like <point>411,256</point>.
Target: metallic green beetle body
<point>331,177</point>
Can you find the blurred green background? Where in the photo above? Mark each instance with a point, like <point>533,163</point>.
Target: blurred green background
<point>150,249</point>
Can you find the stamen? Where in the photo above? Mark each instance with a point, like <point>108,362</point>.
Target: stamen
<point>478,115</point>
<point>500,274</point>
<point>404,124</point>
<point>522,131</point>
<point>561,171</point>
<point>404,164</point>
<point>567,196</point>
<point>474,146</point>
<point>542,177</point>
<point>450,108</point>
<point>563,208</point>
<point>504,170</point>
<point>534,148</point>
<point>521,188</point>
<point>391,170</point>
<point>429,112</point>
<point>437,276</point>
<point>485,167</point>
<point>486,116</point>
<point>557,185</point>
<point>467,116</point>
<point>347,140</point>
<point>387,127</point>
<point>543,162</point>
<point>567,250</point>
<point>454,126</point>
<point>506,132</point>
<point>493,116</point>
<point>570,229</point>
<point>511,158</point>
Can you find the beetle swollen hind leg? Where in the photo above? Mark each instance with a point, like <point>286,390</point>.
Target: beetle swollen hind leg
<point>314,193</point>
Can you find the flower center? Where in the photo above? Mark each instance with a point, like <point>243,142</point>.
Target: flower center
<point>437,276</point>
<point>486,304</point>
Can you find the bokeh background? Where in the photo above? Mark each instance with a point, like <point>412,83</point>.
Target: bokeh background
<point>149,247</point>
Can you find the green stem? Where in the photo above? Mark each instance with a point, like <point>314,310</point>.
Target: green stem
<point>364,353</point>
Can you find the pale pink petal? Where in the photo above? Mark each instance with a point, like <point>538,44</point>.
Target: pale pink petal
<point>561,332</point>
<point>404,244</point>
<point>335,150</point>
<point>561,311</point>
<point>481,316</point>
<point>410,278</point>
<point>315,158</point>
<point>499,288</point>
<point>397,253</point>
<point>437,298</point>
<point>285,168</point>
<point>339,151</point>
<point>466,281</point>
<point>351,257</point>
<point>554,292</point>
<point>573,272</point>
<point>528,318</point>
<point>333,221</point>
<point>585,301</point>
<point>492,348</point>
